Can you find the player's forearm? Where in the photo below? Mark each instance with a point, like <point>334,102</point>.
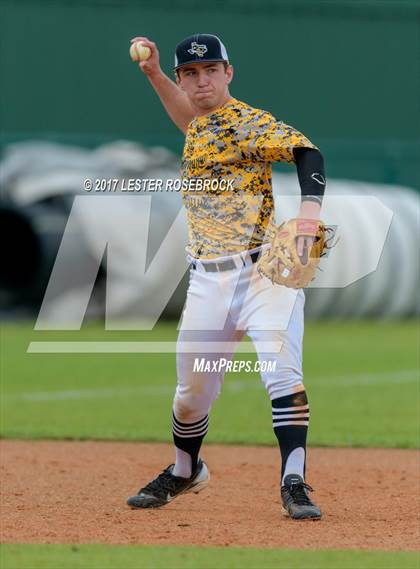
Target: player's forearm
<point>311,175</point>
<point>173,99</point>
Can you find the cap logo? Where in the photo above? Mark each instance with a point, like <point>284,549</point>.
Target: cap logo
<point>198,49</point>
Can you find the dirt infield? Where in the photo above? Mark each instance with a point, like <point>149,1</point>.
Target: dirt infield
<point>75,492</point>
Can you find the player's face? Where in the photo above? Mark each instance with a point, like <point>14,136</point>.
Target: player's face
<point>206,84</point>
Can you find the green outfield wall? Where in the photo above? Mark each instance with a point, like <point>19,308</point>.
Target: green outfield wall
<point>345,73</point>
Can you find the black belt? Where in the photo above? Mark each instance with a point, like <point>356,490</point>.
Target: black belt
<point>229,265</point>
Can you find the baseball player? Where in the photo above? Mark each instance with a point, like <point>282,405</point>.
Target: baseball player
<point>231,226</point>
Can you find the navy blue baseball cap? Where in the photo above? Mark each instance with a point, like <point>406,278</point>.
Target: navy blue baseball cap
<point>198,48</point>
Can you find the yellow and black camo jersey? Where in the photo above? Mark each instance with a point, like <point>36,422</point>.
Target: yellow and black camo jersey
<point>235,144</point>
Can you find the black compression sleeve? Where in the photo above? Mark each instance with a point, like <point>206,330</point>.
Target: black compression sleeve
<point>311,173</point>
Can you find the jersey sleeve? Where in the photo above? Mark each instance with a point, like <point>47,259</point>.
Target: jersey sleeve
<point>275,141</point>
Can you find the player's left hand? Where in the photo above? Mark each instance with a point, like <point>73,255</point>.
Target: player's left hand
<point>295,252</point>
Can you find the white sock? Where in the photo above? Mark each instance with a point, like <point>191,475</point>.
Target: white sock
<point>183,464</point>
<point>295,463</point>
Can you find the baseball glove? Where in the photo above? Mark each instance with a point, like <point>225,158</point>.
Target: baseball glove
<point>282,264</point>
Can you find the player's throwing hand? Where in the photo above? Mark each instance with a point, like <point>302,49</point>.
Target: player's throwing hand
<point>152,64</point>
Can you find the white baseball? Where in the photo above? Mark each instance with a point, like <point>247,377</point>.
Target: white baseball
<point>139,52</point>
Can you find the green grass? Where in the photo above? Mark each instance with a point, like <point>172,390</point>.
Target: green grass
<point>360,376</point>
<point>130,557</point>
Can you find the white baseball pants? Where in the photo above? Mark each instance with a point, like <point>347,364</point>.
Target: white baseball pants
<point>220,308</point>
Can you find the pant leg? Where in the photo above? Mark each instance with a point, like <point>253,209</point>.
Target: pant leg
<point>207,331</point>
<point>275,314</point>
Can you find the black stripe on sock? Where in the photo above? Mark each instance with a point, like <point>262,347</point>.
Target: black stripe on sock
<point>293,400</point>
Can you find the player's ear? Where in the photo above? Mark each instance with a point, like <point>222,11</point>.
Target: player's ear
<point>178,80</point>
<point>229,73</point>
